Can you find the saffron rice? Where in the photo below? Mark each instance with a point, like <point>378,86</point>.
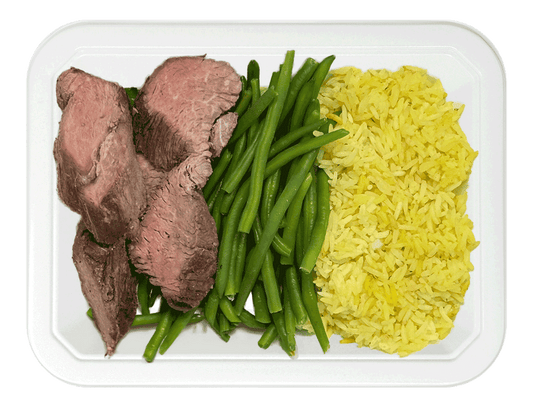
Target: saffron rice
<point>395,264</point>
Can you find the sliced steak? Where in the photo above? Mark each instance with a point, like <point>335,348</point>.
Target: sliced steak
<point>98,175</point>
<point>177,244</point>
<point>222,131</point>
<point>178,105</point>
<point>153,178</point>
<point>108,284</point>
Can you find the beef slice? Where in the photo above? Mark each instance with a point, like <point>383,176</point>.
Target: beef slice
<point>222,131</point>
<point>108,284</point>
<point>177,244</point>
<point>98,175</point>
<point>153,178</point>
<point>178,105</point>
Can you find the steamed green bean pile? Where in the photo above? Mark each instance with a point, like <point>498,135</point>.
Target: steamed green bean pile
<point>271,206</point>
<point>270,203</point>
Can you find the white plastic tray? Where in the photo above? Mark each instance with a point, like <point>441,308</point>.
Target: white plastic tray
<point>66,342</point>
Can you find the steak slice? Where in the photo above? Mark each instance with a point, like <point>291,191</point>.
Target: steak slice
<point>222,131</point>
<point>98,175</point>
<point>178,105</point>
<point>153,178</point>
<point>108,284</point>
<point>177,244</point>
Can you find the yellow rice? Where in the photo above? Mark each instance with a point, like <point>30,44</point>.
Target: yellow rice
<point>395,264</point>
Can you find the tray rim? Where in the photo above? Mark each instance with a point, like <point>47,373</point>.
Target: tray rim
<point>29,318</point>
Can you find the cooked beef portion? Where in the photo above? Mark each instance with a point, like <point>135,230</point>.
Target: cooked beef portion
<point>178,105</point>
<point>98,175</point>
<point>108,284</point>
<point>153,178</point>
<point>222,131</point>
<point>177,244</point>
<point>181,121</point>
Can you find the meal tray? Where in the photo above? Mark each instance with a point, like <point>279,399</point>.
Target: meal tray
<point>66,342</point>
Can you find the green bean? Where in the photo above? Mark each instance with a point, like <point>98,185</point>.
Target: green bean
<point>302,147</point>
<point>242,105</point>
<point>321,225</point>
<point>217,215</point>
<point>227,308</point>
<point>259,300</point>
<point>290,320</point>
<point>211,307</point>
<point>269,197</point>
<point>274,79</point>
<point>228,235</point>
<point>238,150</point>
<point>265,140</point>
<point>320,74</point>
<point>252,70</point>
<point>292,169</point>
<point>278,272</point>
<point>300,106</point>
<point>289,138</point>
<point>232,181</point>
<point>268,336</point>
<point>179,324</point>
<point>223,324</point>
<point>132,93</point>
<point>256,95</point>
<point>233,325</point>
<point>279,321</point>
<point>142,295</point>
<point>312,113</point>
<point>255,135</point>
<point>237,268</point>
<point>231,288</point>
<point>154,294</point>
<point>227,200</point>
<point>299,247</point>
<point>279,245</point>
<point>213,197</point>
<point>149,319</point>
<point>270,191</point>
<point>325,128</point>
<point>244,86</point>
<point>251,321</point>
<point>271,227</point>
<point>309,210</point>
<point>293,290</point>
<point>300,78</point>
<point>218,172</point>
<point>161,331</point>
<point>196,318</point>
<point>223,335</point>
<point>221,329</point>
<point>211,314</point>
<point>310,301</point>
<point>253,113</point>
<point>293,216</point>
<point>268,273</point>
